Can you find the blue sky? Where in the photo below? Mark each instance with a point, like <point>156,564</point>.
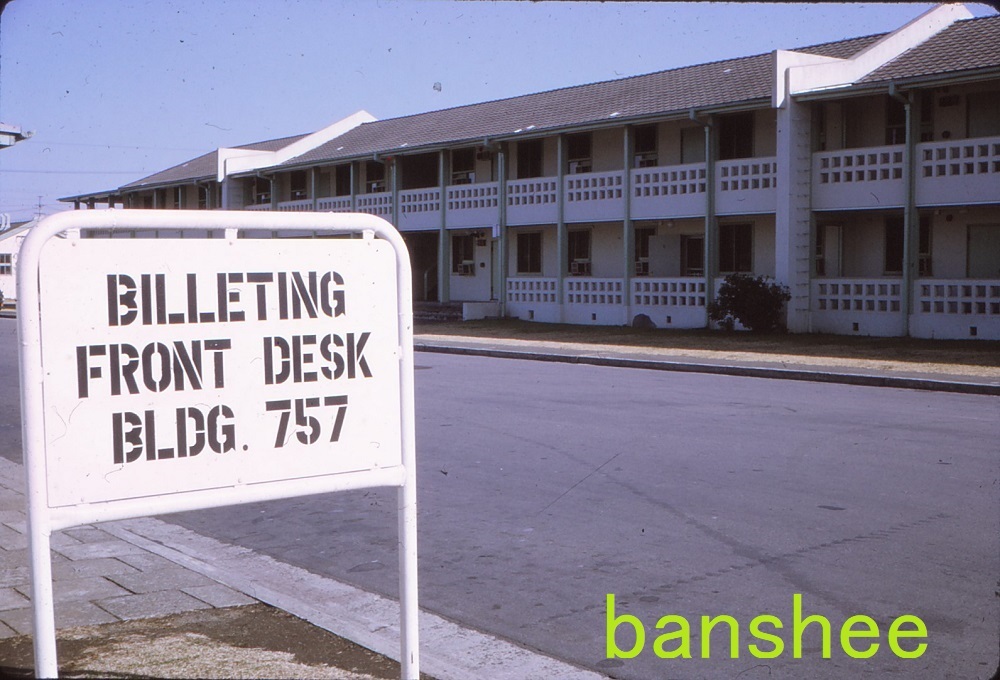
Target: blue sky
<point>116,89</point>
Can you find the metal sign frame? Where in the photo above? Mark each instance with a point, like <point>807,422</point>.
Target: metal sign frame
<point>43,519</point>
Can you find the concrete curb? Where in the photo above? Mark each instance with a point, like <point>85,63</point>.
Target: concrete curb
<point>449,651</point>
<point>900,382</point>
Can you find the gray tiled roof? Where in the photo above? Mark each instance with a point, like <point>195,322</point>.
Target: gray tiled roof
<point>204,166</point>
<point>732,81</point>
<point>963,46</point>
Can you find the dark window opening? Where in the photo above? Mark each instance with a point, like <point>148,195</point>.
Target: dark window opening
<point>529,253</point>
<point>297,185</point>
<point>692,255</point>
<point>895,121</point>
<point>735,247</point>
<point>645,138</point>
<point>463,254</point>
<point>579,252</point>
<point>736,135</point>
<point>374,177</point>
<point>463,166</point>
<point>529,159</point>
<point>342,180</point>
<point>642,237</point>
<point>578,153</point>
<point>420,171</point>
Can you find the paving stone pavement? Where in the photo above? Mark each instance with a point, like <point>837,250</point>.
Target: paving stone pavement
<point>97,577</point>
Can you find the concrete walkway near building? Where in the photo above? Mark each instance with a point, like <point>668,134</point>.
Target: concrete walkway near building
<point>881,372</point>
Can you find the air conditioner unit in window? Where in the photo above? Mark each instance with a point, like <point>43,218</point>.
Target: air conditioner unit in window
<point>462,177</point>
<point>483,154</point>
<point>645,160</point>
<point>375,187</point>
<point>579,268</point>
<point>577,167</point>
<point>466,269</point>
<point>642,268</point>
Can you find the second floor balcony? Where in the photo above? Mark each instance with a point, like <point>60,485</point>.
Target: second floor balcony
<point>957,172</point>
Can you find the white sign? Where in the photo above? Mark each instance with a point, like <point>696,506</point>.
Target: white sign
<point>164,375</point>
<point>173,367</point>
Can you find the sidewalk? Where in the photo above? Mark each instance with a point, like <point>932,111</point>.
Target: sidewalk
<point>868,372</point>
<point>144,598</point>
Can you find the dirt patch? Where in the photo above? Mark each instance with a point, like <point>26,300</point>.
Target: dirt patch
<point>255,641</point>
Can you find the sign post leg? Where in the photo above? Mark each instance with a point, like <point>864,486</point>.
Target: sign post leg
<point>43,604</point>
<point>409,609</point>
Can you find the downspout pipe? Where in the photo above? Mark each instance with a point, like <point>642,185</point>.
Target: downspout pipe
<point>711,228</point>
<point>911,220</point>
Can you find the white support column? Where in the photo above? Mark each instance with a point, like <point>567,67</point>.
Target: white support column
<point>444,243</point>
<point>628,233</point>
<point>793,215</point>
<point>562,238</point>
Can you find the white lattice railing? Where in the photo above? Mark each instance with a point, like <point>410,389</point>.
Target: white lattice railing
<point>857,295</point>
<point>676,292</point>
<point>669,181</point>
<point>257,207</point>
<point>594,291</point>
<point>527,192</point>
<point>472,196</point>
<point>959,296</point>
<point>748,174</point>
<point>593,186</point>
<point>334,204</point>
<point>963,158</point>
<point>375,204</point>
<point>302,205</point>
<point>531,290</point>
<point>854,166</point>
<point>416,201</point>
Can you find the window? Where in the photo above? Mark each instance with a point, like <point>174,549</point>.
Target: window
<point>260,190</point>
<point>374,177</point>
<point>529,253</point>
<point>463,166</point>
<point>342,180</point>
<point>924,265</point>
<point>203,196</point>
<point>895,121</point>
<point>578,153</point>
<point>894,239</point>
<point>529,159</point>
<point>692,255</point>
<point>893,245</point>
<point>646,155</point>
<point>736,135</point>
<point>642,236</point>
<point>984,114</point>
<point>463,254</point>
<point>579,252</point>
<point>735,247</point>
<point>6,264</point>
<point>297,181</point>
<point>692,145</point>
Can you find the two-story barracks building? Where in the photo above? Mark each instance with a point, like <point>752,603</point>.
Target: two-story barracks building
<point>864,174</point>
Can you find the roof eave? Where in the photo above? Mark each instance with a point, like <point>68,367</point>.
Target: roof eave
<point>911,82</point>
<point>535,133</point>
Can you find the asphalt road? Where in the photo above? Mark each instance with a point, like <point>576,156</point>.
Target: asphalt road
<point>545,487</point>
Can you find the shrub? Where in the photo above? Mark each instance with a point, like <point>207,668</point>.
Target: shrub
<point>756,302</point>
